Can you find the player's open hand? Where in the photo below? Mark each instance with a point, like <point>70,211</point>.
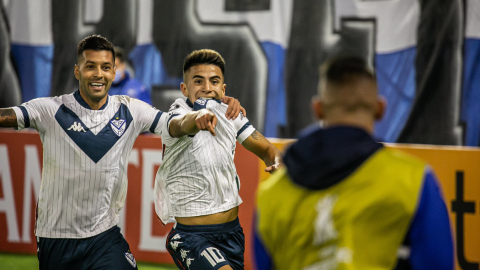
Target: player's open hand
<point>234,107</point>
<point>206,120</point>
<point>274,167</point>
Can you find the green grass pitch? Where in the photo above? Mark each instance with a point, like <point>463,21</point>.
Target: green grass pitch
<point>30,262</point>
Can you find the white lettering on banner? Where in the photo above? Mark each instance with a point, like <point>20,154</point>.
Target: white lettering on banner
<point>93,11</point>
<point>145,25</point>
<point>33,178</point>
<point>7,203</point>
<point>396,21</point>
<point>149,242</point>
<point>472,28</point>
<point>271,25</point>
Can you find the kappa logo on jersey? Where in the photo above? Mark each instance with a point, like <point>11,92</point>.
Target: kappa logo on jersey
<point>176,236</point>
<point>118,126</point>
<point>76,127</point>
<point>175,244</point>
<point>184,254</point>
<point>131,259</point>
<point>189,262</point>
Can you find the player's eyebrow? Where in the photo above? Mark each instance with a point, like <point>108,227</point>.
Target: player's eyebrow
<point>92,62</point>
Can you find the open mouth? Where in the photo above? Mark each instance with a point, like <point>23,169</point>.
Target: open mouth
<point>97,86</point>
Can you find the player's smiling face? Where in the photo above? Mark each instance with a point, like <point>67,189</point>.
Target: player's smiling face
<point>203,81</point>
<point>95,72</point>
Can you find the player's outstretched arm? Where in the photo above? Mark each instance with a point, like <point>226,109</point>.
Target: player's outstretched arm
<point>192,123</point>
<point>234,107</point>
<point>8,118</point>
<point>265,150</point>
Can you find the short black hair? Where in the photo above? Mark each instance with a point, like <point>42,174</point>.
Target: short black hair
<point>340,69</point>
<point>204,57</point>
<point>96,43</point>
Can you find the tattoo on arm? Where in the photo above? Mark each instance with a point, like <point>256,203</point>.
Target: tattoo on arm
<point>257,136</point>
<point>8,118</point>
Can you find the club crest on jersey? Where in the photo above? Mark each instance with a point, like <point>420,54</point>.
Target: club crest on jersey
<point>118,126</point>
<point>201,101</point>
<point>131,259</point>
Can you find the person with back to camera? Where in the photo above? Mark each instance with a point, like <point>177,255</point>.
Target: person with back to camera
<point>197,185</point>
<point>124,82</point>
<point>343,200</point>
<point>87,137</point>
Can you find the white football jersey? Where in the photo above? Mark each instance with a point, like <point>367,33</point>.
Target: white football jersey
<point>198,176</point>
<point>85,159</point>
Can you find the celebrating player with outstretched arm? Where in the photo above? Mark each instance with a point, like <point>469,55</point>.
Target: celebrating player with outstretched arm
<point>197,185</point>
<point>87,137</point>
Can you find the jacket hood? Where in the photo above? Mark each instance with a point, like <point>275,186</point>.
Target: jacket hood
<point>323,157</point>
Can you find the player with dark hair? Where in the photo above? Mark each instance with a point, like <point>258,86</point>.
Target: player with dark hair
<point>343,200</point>
<point>197,185</point>
<point>87,137</point>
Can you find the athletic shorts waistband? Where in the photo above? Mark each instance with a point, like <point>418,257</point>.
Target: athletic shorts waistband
<point>217,228</point>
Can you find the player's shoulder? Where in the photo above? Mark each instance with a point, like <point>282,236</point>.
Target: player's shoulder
<point>207,103</point>
<point>128,101</point>
<point>179,105</point>
<point>49,101</point>
<point>134,105</point>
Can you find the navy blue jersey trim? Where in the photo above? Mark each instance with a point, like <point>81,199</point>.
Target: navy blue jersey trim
<point>84,104</point>
<point>189,103</point>
<point>26,116</point>
<point>201,103</point>
<point>243,128</point>
<point>155,122</point>
<point>94,146</point>
<point>171,116</point>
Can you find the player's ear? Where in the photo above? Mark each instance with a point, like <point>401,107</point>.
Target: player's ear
<point>381,107</point>
<point>224,87</point>
<point>317,107</point>
<point>183,87</point>
<point>77,71</point>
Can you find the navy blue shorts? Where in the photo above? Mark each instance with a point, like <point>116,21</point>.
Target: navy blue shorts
<point>108,250</point>
<point>207,246</point>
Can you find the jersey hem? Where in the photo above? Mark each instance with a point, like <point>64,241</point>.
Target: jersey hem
<point>211,211</point>
<point>54,235</point>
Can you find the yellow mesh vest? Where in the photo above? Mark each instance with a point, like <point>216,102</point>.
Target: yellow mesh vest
<point>358,223</point>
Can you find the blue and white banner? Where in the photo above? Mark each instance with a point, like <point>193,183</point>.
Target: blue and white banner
<point>426,55</point>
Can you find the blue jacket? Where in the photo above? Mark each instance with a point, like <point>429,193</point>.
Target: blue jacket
<point>131,87</point>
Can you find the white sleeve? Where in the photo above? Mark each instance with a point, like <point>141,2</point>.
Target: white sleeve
<point>244,128</point>
<point>147,117</point>
<point>36,113</point>
<point>242,125</point>
<point>167,139</point>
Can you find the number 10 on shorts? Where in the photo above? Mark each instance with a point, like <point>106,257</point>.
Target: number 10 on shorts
<point>213,255</point>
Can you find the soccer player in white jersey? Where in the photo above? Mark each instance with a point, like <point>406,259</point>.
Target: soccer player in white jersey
<point>87,137</point>
<point>197,185</point>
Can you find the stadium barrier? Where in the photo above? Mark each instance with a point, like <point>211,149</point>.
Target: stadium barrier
<point>20,179</point>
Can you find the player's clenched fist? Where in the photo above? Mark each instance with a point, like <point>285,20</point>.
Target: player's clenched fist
<point>206,120</point>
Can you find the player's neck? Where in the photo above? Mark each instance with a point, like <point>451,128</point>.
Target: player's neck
<point>94,104</point>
